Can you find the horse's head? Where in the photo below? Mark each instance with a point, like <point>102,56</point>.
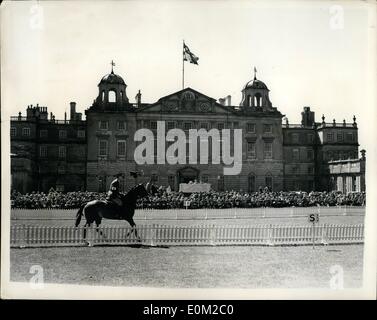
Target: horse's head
<point>141,191</point>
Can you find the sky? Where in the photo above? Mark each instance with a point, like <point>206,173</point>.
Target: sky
<point>319,54</point>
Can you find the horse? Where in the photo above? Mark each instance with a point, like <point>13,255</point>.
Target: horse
<point>96,210</point>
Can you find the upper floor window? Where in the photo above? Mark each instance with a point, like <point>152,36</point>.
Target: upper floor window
<point>102,148</point>
<point>121,125</point>
<point>220,126</point>
<point>295,137</point>
<point>26,132</point>
<point>310,137</point>
<point>296,154</point>
<point>43,133</point>
<point>13,131</point>
<point>43,151</point>
<point>62,151</point>
<point>251,127</point>
<point>268,150</point>
<point>204,125</point>
<point>153,125</point>
<point>187,125</point>
<point>205,178</point>
<point>330,137</point>
<point>339,136</point>
<point>171,125</point>
<point>267,128</point>
<point>104,125</point>
<point>62,134</point>
<point>81,133</point>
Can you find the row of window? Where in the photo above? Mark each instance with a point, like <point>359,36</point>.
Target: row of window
<point>295,137</point>
<point>250,127</point>
<point>103,148</point>
<point>120,125</point>
<point>44,133</point>
<point>251,150</point>
<point>341,155</point>
<point>340,137</point>
<point>296,156</point>
<point>62,152</point>
<point>297,170</point>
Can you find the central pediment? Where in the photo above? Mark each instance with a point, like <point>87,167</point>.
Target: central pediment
<point>187,101</point>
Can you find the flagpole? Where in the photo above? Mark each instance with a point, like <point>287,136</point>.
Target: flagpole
<point>183,65</point>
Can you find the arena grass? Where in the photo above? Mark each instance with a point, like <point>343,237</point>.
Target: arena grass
<point>192,267</point>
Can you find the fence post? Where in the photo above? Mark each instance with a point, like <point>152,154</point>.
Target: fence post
<point>152,235</point>
<point>324,235</point>
<point>270,236</point>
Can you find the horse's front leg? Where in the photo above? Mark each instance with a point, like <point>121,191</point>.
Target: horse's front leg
<point>133,229</point>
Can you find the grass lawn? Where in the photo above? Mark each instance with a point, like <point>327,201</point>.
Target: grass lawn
<point>192,267</point>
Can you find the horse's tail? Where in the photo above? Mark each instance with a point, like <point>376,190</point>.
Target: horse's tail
<point>79,215</point>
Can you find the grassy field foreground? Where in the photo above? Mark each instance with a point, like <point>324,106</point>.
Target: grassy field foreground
<point>192,267</point>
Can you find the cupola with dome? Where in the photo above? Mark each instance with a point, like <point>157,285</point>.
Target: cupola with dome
<point>255,95</point>
<point>112,90</point>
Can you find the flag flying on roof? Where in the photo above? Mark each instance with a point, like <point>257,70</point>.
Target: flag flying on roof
<point>188,55</point>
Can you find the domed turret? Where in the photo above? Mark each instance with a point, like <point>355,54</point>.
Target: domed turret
<point>112,90</point>
<point>255,95</point>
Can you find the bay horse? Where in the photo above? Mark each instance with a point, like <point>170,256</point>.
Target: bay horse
<point>96,210</point>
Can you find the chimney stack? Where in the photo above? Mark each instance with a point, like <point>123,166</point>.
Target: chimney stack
<point>73,110</point>
<point>222,101</point>
<point>229,100</point>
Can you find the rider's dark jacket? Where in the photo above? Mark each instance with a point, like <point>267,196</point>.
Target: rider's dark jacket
<point>114,190</point>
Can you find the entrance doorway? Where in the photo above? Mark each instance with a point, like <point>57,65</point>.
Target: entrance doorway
<point>187,174</point>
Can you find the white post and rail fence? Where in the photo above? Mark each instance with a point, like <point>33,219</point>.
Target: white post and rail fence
<point>201,235</point>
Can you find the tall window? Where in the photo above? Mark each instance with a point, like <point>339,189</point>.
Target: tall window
<point>153,125</point>
<point>268,150</point>
<point>251,183</point>
<point>62,134</point>
<point>251,127</point>
<point>43,151</point>
<point>13,131</point>
<point>339,136</point>
<point>296,154</point>
<point>121,125</point>
<point>104,125</point>
<point>269,183</point>
<point>102,148</point>
<point>220,183</point>
<point>310,154</point>
<point>121,148</point>
<point>251,150</point>
<point>220,126</point>
<point>62,151</point>
<point>310,137</point>
<point>295,137</point>
<point>26,132</point>
<point>171,181</point>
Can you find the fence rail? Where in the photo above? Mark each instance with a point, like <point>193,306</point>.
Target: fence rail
<point>197,214</point>
<point>154,235</point>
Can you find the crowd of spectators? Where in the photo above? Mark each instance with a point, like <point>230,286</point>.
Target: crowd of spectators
<point>163,199</point>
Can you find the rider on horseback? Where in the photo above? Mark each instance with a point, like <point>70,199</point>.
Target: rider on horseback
<point>114,193</point>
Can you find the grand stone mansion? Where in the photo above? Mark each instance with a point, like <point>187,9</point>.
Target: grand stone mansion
<point>76,154</point>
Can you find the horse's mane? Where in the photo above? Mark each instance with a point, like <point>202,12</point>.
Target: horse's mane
<point>131,192</point>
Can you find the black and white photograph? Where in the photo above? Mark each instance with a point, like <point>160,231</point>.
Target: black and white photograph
<point>188,150</point>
